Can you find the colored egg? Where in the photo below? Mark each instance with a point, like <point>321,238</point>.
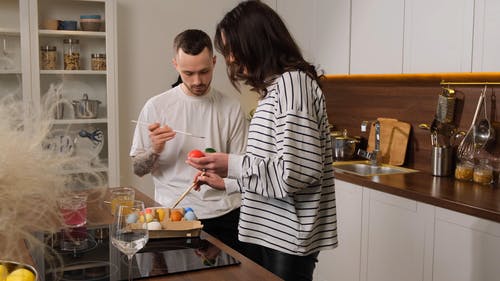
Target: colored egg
<point>190,216</point>
<point>149,217</point>
<point>187,209</point>
<point>132,218</point>
<point>175,215</point>
<point>154,225</point>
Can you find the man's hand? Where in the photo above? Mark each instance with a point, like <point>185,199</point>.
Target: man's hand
<point>159,135</point>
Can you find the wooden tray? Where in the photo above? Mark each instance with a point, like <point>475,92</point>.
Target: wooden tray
<point>174,229</point>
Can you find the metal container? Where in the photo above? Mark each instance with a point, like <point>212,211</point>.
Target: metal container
<point>442,161</point>
<point>344,147</point>
<point>10,266</point>
<point>85,108</point>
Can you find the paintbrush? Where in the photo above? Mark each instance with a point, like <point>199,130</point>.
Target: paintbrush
<point>177,131</point>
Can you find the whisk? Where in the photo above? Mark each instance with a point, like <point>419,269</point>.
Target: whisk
<point>466,147</point>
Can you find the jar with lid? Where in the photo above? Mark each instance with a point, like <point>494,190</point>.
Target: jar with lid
<point>483,172</point>
<point>48,57</point>
<point>71,54</point>
<point>464,170</point>
<point>98,61</point>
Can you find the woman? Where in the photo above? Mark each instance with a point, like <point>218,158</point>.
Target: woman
<point>288,210</point>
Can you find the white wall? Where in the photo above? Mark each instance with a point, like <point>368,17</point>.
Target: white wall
<point>146,30</point>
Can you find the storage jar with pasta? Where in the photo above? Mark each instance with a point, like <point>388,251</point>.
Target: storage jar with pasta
<point>48,57</point>
<point>71,54</point>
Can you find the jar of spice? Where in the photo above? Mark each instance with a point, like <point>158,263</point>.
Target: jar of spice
<point>483,172</point>
<point>71,54</point>
<point>464,171</point>
<point>48,57</point>
<point>98,61</point>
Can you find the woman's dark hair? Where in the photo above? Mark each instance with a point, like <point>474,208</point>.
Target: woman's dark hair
<point>258,47</point>
<point>192,42</point>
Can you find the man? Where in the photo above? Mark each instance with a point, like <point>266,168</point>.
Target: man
<point>194,107</point>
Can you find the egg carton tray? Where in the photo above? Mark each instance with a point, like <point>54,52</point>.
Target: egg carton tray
<point>174,229</point>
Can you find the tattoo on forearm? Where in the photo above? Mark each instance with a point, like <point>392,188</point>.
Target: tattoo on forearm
<point>145,163</point>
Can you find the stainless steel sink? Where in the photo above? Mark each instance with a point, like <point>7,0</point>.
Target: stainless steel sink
<point>364,168</point>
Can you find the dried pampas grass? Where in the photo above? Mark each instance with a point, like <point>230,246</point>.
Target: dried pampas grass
<point>31,178</point>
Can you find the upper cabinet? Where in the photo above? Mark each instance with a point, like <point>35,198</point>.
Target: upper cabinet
<point>438,36</point>
<point>64,51</point>
<point>394,36</point>
<point>376,36</point>
<point>486,44</point>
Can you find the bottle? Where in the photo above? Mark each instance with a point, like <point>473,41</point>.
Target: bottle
<point>71,54</point>
<point>48,57</point>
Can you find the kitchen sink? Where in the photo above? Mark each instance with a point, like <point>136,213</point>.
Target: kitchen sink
<point>364,168</point>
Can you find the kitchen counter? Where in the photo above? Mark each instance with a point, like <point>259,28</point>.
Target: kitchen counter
<point>482,201</point>
<point>247,270</point>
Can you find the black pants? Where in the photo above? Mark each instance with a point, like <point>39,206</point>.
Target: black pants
<point>288,267</point>
<point>225,228</point>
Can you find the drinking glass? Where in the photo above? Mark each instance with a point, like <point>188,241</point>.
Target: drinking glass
<point>126,236</point>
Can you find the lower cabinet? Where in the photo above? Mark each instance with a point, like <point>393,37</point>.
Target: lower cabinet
<point>383,237</point>
<point>466,248</point>
<point>394,237</point>
<point>343,262</point>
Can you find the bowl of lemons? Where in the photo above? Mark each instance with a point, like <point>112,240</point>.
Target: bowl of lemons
<point>15,271</point>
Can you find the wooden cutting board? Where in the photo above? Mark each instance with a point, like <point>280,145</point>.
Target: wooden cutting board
<point>394,136</point>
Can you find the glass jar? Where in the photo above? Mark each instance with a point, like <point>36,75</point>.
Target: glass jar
<point>98,61</point>
<point>71,54</point>
<point>483,172</point>
<point>464,171</point>
<point>48,57</point>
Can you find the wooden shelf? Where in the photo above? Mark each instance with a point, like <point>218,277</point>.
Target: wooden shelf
<point>73,33</point>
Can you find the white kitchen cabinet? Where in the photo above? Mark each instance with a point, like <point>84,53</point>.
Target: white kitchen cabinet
<point>466,248</point>
<point>486,44</point>
<point>395,237</point>
<point>376,36</point>
<point>343,262</point>
<point>93,140</point>
<point>438,36</point>
<point>14,49</point>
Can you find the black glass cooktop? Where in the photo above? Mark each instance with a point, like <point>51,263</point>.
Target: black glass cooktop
<point>85,254</point>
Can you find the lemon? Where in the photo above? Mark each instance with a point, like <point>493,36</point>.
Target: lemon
<point>21,274</point>
<point>3,272</point>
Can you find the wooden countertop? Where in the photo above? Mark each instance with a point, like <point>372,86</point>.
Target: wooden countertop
<point>99,214</point>
<point>482,201</point>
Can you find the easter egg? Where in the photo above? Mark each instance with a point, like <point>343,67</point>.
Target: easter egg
<point>21,274</point>
<point>149,217</point>
<point>175,215</point>
<point>132,218</point>
<point>190,216</point>
<point>154,225</point>
<point>195,153</point>
<point>161,214</point>
<point>187,209</point>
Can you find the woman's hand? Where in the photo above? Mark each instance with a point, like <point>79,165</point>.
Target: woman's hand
<point>212,163</point>
<point>210,179</point>
<point>159,136</point>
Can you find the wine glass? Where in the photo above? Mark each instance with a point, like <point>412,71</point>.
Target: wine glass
<point>126,235</point>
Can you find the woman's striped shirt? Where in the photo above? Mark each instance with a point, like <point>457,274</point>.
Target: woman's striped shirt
<point>287,174</point>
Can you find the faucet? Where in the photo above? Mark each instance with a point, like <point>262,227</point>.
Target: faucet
<point>372,156</point>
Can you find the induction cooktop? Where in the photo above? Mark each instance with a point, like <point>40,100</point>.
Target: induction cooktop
<point>85,254</point>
